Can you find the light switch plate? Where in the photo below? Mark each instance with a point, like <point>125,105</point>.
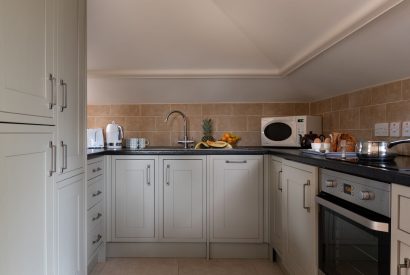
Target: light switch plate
<point>405,129</point>
<point>381,129</point>
<point>395,129</point>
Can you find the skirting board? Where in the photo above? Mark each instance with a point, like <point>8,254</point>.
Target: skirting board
<point>188,250</point>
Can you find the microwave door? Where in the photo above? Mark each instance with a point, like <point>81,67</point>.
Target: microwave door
<point>282,132</point>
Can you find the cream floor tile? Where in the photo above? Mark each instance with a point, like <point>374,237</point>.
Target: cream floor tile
<point>156,266</point>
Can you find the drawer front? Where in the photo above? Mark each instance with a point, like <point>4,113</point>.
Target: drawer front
<point>95,215</point>
<point>95,191</point>
<point>95,238</point>
<point>95,169</point>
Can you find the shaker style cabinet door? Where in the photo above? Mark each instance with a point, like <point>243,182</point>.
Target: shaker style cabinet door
<point>70,94</point>
<point>300,217</point>
<point>27,85</point>
<point>26,200</point>
<point>236,190</point>
<point>184,201</point>
<point>134,199</point>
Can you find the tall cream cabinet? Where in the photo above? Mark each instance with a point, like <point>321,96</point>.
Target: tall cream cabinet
<point>400,230</point>
<point>42,126</point>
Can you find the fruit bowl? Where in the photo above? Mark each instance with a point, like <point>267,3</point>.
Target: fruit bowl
<point>230,138</point>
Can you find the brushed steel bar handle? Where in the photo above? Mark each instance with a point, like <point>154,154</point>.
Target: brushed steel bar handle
<point>97,193</point>
<point>98,239</point>
<point>99,215</point>
<point>64,156</point>
<point>406,265</point>
<point>52,80</point>
<point>53,167</point>
<point>236,161</point>
<point>304,196</point>
<point>167,174</point>
<point>280,181</point>
<point>97,169</point>
<point>149,174</point>
<point>64,90</point>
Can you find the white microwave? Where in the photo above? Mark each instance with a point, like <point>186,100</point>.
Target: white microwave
<point>287,131</point>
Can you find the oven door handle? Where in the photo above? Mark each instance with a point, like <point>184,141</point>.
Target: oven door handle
<point>373,225</point>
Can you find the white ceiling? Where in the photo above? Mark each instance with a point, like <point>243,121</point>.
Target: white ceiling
<point>234,50</point>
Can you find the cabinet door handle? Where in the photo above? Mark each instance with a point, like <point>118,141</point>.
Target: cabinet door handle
<point>304,196</point>
<point>406,265</point>
<point>99,215</point>
<point>53,166</point>
<point>52,80</point>
<point>98,239</point>
<point>280,181</point>
<point>236,161</point>
<point>64,90</point>
<point>97,169</point>
<point>64,147</point>
<point>167,174</point>
<point>149,174</point>
<point>97,193</point>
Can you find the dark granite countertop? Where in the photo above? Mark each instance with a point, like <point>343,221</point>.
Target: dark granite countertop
<point>397,172</point>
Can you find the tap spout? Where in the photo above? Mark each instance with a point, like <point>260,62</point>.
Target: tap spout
<point>185,141</point>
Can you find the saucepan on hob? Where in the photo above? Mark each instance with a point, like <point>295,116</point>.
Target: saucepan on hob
<point>377,150</point>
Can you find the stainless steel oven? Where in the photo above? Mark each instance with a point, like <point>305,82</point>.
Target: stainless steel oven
<point>354,225</point>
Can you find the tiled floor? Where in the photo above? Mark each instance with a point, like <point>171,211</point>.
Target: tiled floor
<point>155,266</point>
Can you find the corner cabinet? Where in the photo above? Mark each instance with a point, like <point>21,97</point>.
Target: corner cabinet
<point>300,186</point>
<point>134,198</point>
<point>236,198</point>
<point>183,201</point>
<point>400,230</point>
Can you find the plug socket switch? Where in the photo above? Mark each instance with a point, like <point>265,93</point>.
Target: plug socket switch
<point>395,129</point>
<point>381,129</point>
<point>406,129</point>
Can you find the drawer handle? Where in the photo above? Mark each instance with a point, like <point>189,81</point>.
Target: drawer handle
<point>98,239</point>
<point>97,170</point>
<point>406,265</point>
<point>236,161</point>
<point>97,194</point>
<point>97,217</point>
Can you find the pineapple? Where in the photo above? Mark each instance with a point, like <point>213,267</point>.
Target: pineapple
<point>207,128</point>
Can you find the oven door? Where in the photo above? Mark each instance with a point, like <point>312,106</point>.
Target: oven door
<point>352,239</point>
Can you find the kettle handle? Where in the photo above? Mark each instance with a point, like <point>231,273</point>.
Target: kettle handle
<point>121,134</point>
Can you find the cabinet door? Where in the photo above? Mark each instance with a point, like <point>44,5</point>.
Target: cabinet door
<point>276,208</point>
<point>400,225</point>
<point>70,96</point>
<point>26,61</point>
<point>134,199</point>
<point>184,201</point>
<point>70,229</point>
<point>26,195</point>
<point>300,188</point>
<point>237,198</point>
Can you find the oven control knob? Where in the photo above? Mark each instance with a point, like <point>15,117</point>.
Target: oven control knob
<point>331,183</point>
<point>366,195</point>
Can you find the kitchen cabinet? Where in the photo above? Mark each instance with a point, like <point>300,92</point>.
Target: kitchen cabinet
<point>183,204</point>
<point>134,199</point>
<point>26,200</point>
<point>27,32</point>
<point>276,205</point>
<point>300,186</point>
<point>236,198</point>
<point>69,225</point>
<point>70,86</point>
<point>400,230</point>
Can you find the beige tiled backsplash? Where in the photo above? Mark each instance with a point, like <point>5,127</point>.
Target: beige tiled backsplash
<point>354,113</point>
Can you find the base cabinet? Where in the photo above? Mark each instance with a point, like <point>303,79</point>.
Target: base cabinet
<point>300,185</point>
<point>400,230</point>
<point>236,198</point>
<point>276,207</point>
<point>182,209</point>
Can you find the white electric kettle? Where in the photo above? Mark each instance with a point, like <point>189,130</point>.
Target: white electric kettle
<point>114,135</point>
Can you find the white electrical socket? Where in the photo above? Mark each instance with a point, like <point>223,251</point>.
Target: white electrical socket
<point>394,129</point>
<point>405,129</point>
<point>381,129</point>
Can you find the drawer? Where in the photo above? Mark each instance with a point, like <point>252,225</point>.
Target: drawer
<point>95,169</point>
<point>95,191</point>
<point>94,239</point>
<point>95,215</point>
